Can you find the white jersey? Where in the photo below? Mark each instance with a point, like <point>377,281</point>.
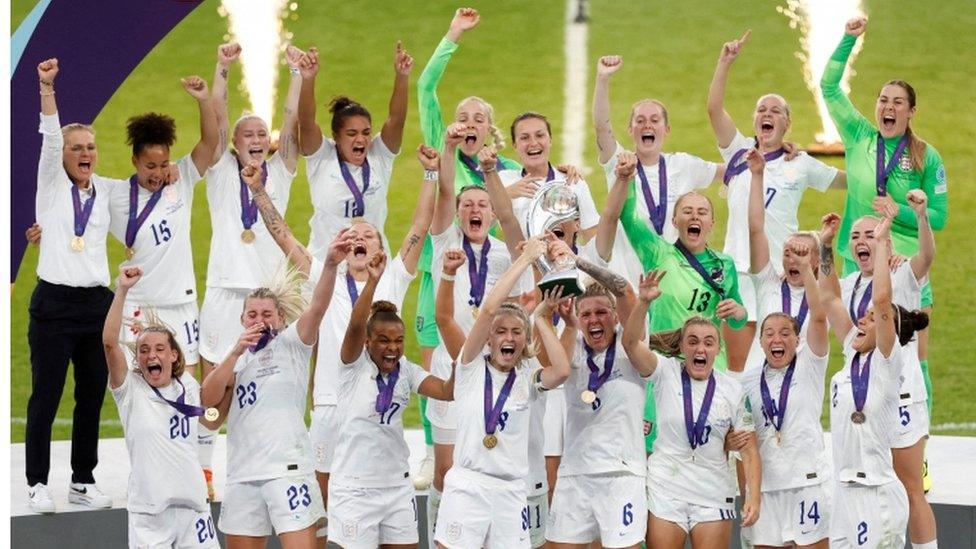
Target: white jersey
<point>162,445</point>
<point>234,263</point>
<point>54,210</point>
<point>798,459</point>
<point>700,476</point>
<point>769,297</point>
<point>537,481</point>
<point>392,286</point>
<point>370,451</point>
<point>332,199</point>
<point>266,434</point>
<point>606,436</point>
<point>784,182</point>
<point>862,453</point>
<point>588,215</point>
<point>162,243</point>
<point>685,173</point>
<point>509,459</point>
<point>906,291</point>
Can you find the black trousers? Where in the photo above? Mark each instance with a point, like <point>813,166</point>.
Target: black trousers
<point>66,325</point>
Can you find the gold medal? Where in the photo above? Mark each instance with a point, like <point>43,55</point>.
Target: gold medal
<point>858,417</point>
<point>356,220</point>
<point>247,236</point>
<point>779,438</point>
<point>129,253</point>
<point>588,397</point>
<point>212,414</point>
<point>78,243</point>
<point>490,441</point>
<point>474,311</point>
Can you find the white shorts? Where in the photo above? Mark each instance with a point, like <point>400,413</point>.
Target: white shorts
<point>444,437</point>
<point>480,511</point>
<point>536,517</point>
<point>684,514</point>
<point>220,322</point>
<point>183,320</point>
<point>747,291</point>
<point>869,516</point>
<point>441,412</point>
<point>609,508</point>
<point>179,527</point>
<point>287,504</point>
<point>797,515</point>
<point>554,422</point>
<point>323,432</point>
<point>911,425</point>
<point>369,517</point>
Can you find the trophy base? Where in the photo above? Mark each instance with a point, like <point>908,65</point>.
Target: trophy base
<point>569,280</point>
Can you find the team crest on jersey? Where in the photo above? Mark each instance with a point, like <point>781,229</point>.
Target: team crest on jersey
<point>454,531</point>
<point>520,396</point>
<point>718,275</point>
<point>905,162</point>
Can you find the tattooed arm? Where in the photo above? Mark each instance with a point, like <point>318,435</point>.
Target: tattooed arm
<point>618,285</point>
<point>837,315</point>
<point>279,229</point>
<point>226,54</point>
<point>288,138</point>
<point>423,213</point>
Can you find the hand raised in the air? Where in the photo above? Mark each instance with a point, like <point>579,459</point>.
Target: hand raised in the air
<point>309,66</point>
<point>730,50</point>
<point>47,70</point>
<point>626,166</point>
<point>196,87</point>
<point>428,157</point>
<point>376,265</point>
<point>649,287</point>
<point>339,248</point>
<point>856,26</point>
<point>402,62</point>
<point>828,228</point>
<point>487,159</point>
<point>454,134</point>
<point>465,19</point>
<point>609,64</point>
<point>128,276</point>
<point>453,259</point>
<point>756,161</point>
<point>228,53</point>
<point>917,201</point>
<point>253,176</point>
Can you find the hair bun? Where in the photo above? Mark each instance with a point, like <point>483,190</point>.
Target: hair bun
<point>382,306</point>
<point>920,320</point>
<point>341,102</point>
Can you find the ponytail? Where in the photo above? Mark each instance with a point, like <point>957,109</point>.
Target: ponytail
<point>668,343</point>
<point>907,323</point>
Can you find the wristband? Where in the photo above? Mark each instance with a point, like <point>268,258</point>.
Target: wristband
<point>294,70</point>
<point>46,94</point>
<point>447,277</point>
<point>430,175</point>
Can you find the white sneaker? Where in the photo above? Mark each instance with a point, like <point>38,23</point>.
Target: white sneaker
<point>40,499</point>
<point>88,495</point>
<point>425,471</point>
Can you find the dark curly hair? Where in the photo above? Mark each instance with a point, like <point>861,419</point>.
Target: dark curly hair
<point>150,129</point>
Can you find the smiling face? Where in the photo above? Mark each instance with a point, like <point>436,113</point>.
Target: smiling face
<point>475,213</point>
<point>771,119</point>
<point>477,121</point>
<point>699,346</point>
<point>862,244</point>
<point>507,339</point>
<point>791,264</point>
<point>694,220</point>
<point>353,139</point>
<point>893,110</point>
<point>152,167</point>
<point>779,340</point>
<point>366,242</point>
<point>262,310</point>
<point>866,339</point>
<point>252,140</point>
<point>566,231</point>
<point>532,143</point>
<point>79,154</point>
<point>649,127</point>
<point>597,320</point>
<point>156,357</point>
<point>384,344</point>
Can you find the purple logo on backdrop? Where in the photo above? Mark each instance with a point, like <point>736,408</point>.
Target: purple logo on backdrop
<point>98,44</point>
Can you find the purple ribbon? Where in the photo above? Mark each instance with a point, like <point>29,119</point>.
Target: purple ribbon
<point>384,396</point>
<point>736,165</point>
<point>82,213</point>
<point>699,268</point>
<point>696,427</point>
<point>549,176</point>
<point>658,212</point>
<point>493,412</point>
<point>267,335</point>
<point>249,210</point>
<point>597,378</point>
<point>357,195</point>
<point>351,287</point>
<point>859,380</point>
<point>136,222</point>
<point>862,306</point>
<point>788,305</point>
<point>883,170</point>
<point>180,402</point>
<point>475,169</point>
<point>773,412</point>
<point>477,273</point>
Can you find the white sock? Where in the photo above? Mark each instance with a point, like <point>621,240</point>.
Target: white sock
<point>433,505</point>
<point>934,544</point>
<point>430,451</point>
<point>205,444</point>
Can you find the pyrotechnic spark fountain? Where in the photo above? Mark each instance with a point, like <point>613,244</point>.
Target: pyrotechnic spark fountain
<point>821,24</point>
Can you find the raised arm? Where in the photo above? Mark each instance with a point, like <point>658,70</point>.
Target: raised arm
<point>392,133</point>
<point>352,343</point>
<point>606,229</point>
<point>722,122</point>
<point>922,261</point>
<point>308,323</point>
<point>275,223</point>
<point>309,132</point>
<point>501,204</point>
<point>557,371</point>
<point>47,71</point>
<point>828,283</point>
<point>884,317</point>
<point>817,339</point>
<point>429,108</point>
<point>287,140</point>
<point>758,242</point>
<point>206,150</point>
<point>423,212</point>
<point>475,342</point>
<point>605,141</point>
<point>114,355</point>
<point>215,385</point>
<point>640,355</point>
<point>50,165</point>
<point>226,55</point>
<point>618,285</point>
<point>446,207</point>
<point>451,333</point>
<point>850,123</point>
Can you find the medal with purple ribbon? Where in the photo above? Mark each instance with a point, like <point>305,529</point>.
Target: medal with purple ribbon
<point>136,221</point>
<point>267,334</point>
<point>82,214</point>
<point>699,268</point>
<point>180,403</point>
<point>776,412</point>
<point>737,165</point>
<point>249,210</point>
<point>360,209</point>
<point>598,378</point>
<point>882,169</point>
<point>477,273</point>
<point>788,305</point>
<point>658,211</point>
<point>351,288</point>
<point>384,396</point>
<point>862,306</point>
<point>695,428</point>
<point>549,176</point>
<point>860,375</point>
<point>493,412</point>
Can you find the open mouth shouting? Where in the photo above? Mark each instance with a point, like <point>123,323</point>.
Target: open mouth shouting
<point>596,334</point>
<point>359,251</point>
<point>777,352</point>
<point>699,361</point>
<point>256,153</point>
<point>85,167</point>
<point>888,122</point>
<point>389,361</point>
<point>155,371</point>
<point>475,223</point>
<point>694,230</point>
<point>766,129</point>
<point>863,253</point>
<point>507,351</point>
<point>648,139</point>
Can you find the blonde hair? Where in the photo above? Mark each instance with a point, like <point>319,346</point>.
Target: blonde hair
<point>688,194</point>
<point>285,288</point>
<point>668,343</point>
<point>633,109</point>
<point>595,289</point>
<point>150,322</point>
<point>76,126</point>
<point>516,310</point>
<point>786,104</point>
<point>497,137</point>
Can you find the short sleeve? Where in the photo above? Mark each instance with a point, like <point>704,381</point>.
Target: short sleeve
<point>895,362</point>
<point>189,176</point>
<point>818,175</point>
<point>665,365</point>
<point>738,143</point>
<point>589,217</point>
<point>398,280</point>
<point>325,152</point>
<point>700,172</point>
<point>122,393</point>
<point>415,375</point>
<point>611,164</point>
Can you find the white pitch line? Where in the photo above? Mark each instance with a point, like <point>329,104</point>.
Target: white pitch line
<point>574,88</point>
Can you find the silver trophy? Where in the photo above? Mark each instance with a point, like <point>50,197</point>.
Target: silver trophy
<point>553,204</point>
